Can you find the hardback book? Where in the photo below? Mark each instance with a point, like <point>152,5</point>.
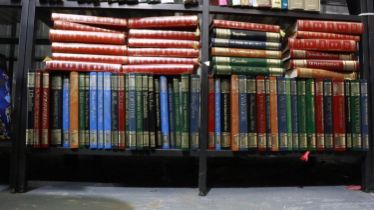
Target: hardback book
<point>245,26</point>
<point>81,66</point>
<point>195,111</point>
<point>309,54</point>
<point>276,4</point>
<point>187,21</point>
<point>100,110</point>
<point>356,126</point>
<point>185,103</point>
<point>319,74</point>
<point>321,35</point>
<point>296,4</point>
<point>234,99</point>
<point>145,100</point>
<point>268,114</point>
<point>45,101</point>
<point>225,33</point>
<point>126,110</point>
<point>274,129</point>
<point>71,26</point>
<point>160,60</point>
<point>152,112</point>
<point>74,110</point>
<point>249,62</point>
<point>236,3</point>
<point>163,34</point>
<point>65,111</point>
<point>339,114</point>
<point>139,111</point>
<point>159,69</point>
<point>226,113</point>
<point>284,4</point>
<point>177,113</point>
<point>81,48</point>
<point>245,44</point>
<point>217,114</point>
<point>114,114</point>
<point>282,113</point>
<point>37,109</point>
<point>113,59</point>
<point>162,43</point>
<point>164,52</point>
<point>131,111</point>
<point>30,108</point>
<point>310,114</point>
<point>243,113</point>
<point>86,37</point>
<point>244,3</point>
<point>328,115</point>
<point>211,112</point>
<point>158,112</point>
<point>83,141</point>
<point>93,110</point>
<point>87,109</point>
<point>261,112</point>
<point>164,112</point>
<point>294,116</point>
<point>319,109</point>
<point>330,26</point>
<point>334,65</point>
<point>322,45</point>
<point>289,114</point>
<point>302,113</point>
<point>262,3</point>
<point>251,113</point>
<point>364,114</point>
<point>247,70</point>
<point>348,115</point>
<point>92,20</point>
<point>312,5</point>
<point>222,3</point>
<point>246,53</point>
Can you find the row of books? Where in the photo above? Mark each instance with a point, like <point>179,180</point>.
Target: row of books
<point>102,110</point>
<point>307,5</point>
<point>134,1</point>
<point>279,114</point>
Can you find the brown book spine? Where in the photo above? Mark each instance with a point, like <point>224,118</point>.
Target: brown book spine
<point>321,74</point>
<point>37,111</point>
<point>274,136</point>
<point>65,25</point>
<point>163,43</point>
<point>261,113</point>
<point>164,22</point>
<point>86,37</point>
<point>245,26</point>
<point>93,20</point>
<point>330,26</point>
<point>74,108</point>
<point>161,60</point>
<point>308,54</point>
<point>247,53</point>
<point>167,52</point>
<point>45,140</point>
<point>121,111</point>
<point>234,113</point>
<point>158,34</point>
<point>81,48</point>
<point>335,65</point>
<point>323,45</point>
<point>81,66</point>
<point>321,35</point>
<point>339,115</point>
<point>169,69</point>
<point>90,58</point>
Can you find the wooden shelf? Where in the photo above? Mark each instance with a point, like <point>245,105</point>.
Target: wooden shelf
<point>256,154</point>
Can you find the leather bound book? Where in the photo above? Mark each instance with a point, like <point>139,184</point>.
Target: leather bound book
<point>86,37</point>
<point>164,22</point>
<point>330,26</point>
<point>92,20</point>
<point>58,47</point>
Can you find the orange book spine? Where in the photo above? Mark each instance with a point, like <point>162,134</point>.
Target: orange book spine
<point>92,20</point>
<point>86,37</point>
<point>247,53</point>
<point>89,48</point>
<point>74,106</point>
<point>65,25</point>
<point>234,113</point>
<point>324,74</point>
<point>274,136</point>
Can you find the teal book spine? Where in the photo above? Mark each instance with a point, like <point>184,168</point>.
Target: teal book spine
<point>93,110</point>
<point>310,114</point>
<point>131,112</point>
<point>107,110</point>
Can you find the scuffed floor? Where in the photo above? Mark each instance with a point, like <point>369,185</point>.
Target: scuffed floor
<point>94,196</point>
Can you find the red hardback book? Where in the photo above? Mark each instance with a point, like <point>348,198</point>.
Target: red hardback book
<point>234,113</point>
<point>114,59</point>
<point>330,26</point>
<point>261,113</point>
<point>37,109</point>
<point>102,49</point>
<point>338,105</point>
<point>308,54</point>
<point>159,34</point>
<point>323,45</point>
<point>321,35</point>
<point>336,65</point>
<point>167,69</point>
<point>245,26</point>
<point>92,20</point>
<point>164,22</point>
<point>44,143</point>
<point>86,37</point>
<point>211,113</point>
<point>320,125</point>
<point>161,60</point>
<point>65,25</point>
<point>81,66</point>
<point>167,52</point>
<point>163,43</point>
<point>121,111</point>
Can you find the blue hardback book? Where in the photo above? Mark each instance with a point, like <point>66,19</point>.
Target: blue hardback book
<point>164,105</point>
<point>282,113</point>
<point>285,4</point>
<point>195,111</point>
<point>364,114</point>
<point>294,117</point>
<point>131,112</point>
<point>66,112</point>
<point>107,110</point>
<point>93,110</point>
<point>243,113</point>
<point>217,119</point>
<point>100,110</point>
<point>327,113</point>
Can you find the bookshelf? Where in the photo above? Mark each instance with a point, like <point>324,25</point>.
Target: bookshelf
<point>30,13</point>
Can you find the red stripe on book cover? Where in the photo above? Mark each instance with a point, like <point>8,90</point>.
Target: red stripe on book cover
<point>245,26</point>
<point>321,35</point>
<point>113,59</point>
<point>339,128</point>
<point>81,66</point>
<point>89,48</point>
<point>86,37</point>
<point>44,143</point>
<point>167,52</point>
<point>158,34</point>
<point>65,25</point>
<point>211,113</point>
<point>169,69</point>
<point>37,107</point>
<point>163,22</point>
<point>161,60</point>
<point>323,44</point>
<point>93,20</point>
<point>261,111</point>
<point>320,127</point>
<point>163,43</point>
<point>330,26</point>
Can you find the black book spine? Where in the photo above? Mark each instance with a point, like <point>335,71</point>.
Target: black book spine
<point>252,114</point>
<point>151,112</point>
<point>348,117</point>
<point>225,109</point>
<point>87,108</point>
<point>114,110</point>
<point>158,114</point>
<point>171,114</point>
<point>145,92</point>
<point>56,110</point>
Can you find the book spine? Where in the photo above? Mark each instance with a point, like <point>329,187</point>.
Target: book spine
<point>114,111</point>
<point>243,113</point>
<point>65,111</point>
<point>217,114</point>
<point>246,53</point>
<point>282,113</point>
<point>195,111</point>
<point>113,59</point>
<point>356,115</point>
<point>364,114</point>
<point>158,113</point>
<point>56,110</point>
<point>320,35</point>
<point>66,25</point>
<point>131,114</point>
<point>185,85</point>
<point>74,110</point>
<point>95,20</point>
<point>81,110</point>
<point>251,115</point>
<point>284,4</point>
<point>222,3</point>
<point>234,99</point>
<point>252,62</point>
<point>330,26</point>
<point>164,52</point>
<point>139,111</point>
<point>145,100</point>
<point>328,116</point>
<point>226,113</point>
<point>164,112</point>
<point>82,48</point>
<point>295,119</point>
<point>93,110</point>
<point>87,110</point>
<point>246,44</point>
<point>301,109</point>
<point>162,69</point>
<point>86,37</point>
<point>152,112</point>
<point>160,60</point>
<point>348,116</point>
<point>30,108</point>
<point>37,109</point>
<point>323,45</point>
<point>289,114</point>
<point>319,108</point>
<point>261,36</point>
<point>164,22</point>
<point>159,34</point>
<point>211,113</point>
<point>276,4</point>
<point>171,114</point>
<point>268,114</point>
<point>245,26</point>
<point>45,134</point>
<point>100,110</point>
<point>162,43</point>
<point>274,129</point>
<point>338,112</point>
<point>247,70</point>
<point>336,65</point>
<point>177,113</point>
<point>310,114</point>
<point>308,54</point>
<point>261,113</point>
<point>323,74</point>
<point>82,66</point>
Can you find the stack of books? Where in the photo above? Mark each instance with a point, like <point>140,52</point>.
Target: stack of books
<point>323,49</point>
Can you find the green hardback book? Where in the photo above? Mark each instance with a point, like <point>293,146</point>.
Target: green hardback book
<point>355,115</point>
<point>177,113</point>
<point>301,113</point>
<point>139,111</point>
<point>348,109</point>
<point>83,141</point>
<point>295,126</point>
<point>185,83</point>
<point>310,114</point>
<point>151,112</point>
<point>252,62</point>
<point>247,70</point>
<point>145,111</point>
<point>289,114</point>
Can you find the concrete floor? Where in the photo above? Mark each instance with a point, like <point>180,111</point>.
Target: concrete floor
<point>92,196</point>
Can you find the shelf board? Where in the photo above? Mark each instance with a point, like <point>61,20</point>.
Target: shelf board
<point>116,6</point>
<point>282,13</point>
<point>256,154</point>
<point>136,153</point>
